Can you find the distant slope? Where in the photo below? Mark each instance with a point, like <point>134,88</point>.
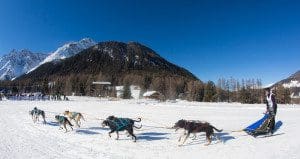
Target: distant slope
<point>292,82</point>
<point>111,58</point>
<point>67,50</point>
<point>17,63</point>
<point>115,62</point>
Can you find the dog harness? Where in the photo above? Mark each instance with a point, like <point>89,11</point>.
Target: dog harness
<point>36,111</point>
<point>74,114</point>
<point>121,123</point>
<point>61,118</point>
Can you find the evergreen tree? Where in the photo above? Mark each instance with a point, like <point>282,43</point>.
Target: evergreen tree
<point>282,95</point>
<point>126,91</point>
<point>162,88</point>
<point>45,87</point>
<point>82,89</point>
<point>146,83</point>
<point>287,96</point>
<point>210,92</point>
<point>199,93</point>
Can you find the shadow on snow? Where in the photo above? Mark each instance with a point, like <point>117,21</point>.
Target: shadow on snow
<point>151,136</point>
<point>87,132</point>
<point>224,137</point>
<point>51,123</point>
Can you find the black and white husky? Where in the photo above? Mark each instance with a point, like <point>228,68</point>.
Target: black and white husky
<point>35,113</point>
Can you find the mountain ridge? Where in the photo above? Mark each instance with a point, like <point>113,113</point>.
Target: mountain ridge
<point>118,63</point>
<point>133,55</point>
<point>18,62</point>
<point>67,50</point>
<point>291,81</point>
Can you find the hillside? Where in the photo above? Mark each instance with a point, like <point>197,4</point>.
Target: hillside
<point>16,63</point>
<point>293,83</point>
<point>67,50</point>
<point>118,63</point>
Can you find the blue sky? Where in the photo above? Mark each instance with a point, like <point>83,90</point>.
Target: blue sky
<point>211,38</point>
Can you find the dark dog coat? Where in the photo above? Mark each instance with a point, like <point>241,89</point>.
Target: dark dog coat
<point>121,123</point>
<point>60,119</point>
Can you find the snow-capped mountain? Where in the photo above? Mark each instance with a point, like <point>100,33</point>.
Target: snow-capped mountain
<point>67,50</point>
<point>115,62</point>
<point>112,58</point>
<point>17,63</point>
<point>293,83</point>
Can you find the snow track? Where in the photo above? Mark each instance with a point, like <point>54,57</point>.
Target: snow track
<point>21,138</point>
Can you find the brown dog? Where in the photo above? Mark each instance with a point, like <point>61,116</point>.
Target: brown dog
<point>194,134</point>
<point>76,116</point>
<point>195,127</point>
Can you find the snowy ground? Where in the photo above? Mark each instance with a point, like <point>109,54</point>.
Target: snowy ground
<point>21,138</point>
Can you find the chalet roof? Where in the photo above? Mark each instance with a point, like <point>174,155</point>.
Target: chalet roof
<point>149,93</point>
<point>102,83</point>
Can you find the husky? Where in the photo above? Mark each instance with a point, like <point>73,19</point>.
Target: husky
<point>63,121</point>
<point>35,113</point>
<point>76,116</point>
<point>196,127</point>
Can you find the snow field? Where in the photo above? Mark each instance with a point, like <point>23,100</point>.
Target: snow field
<point>21,138</point>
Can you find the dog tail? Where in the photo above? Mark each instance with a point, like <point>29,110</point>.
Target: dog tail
<point>139,120</point>
<point>68,121</point>
<point>81,116</point>
<point>218,130</point>
<point>138,127</point>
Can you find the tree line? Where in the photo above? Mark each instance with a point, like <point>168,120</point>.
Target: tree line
<point>242,91</point>
<point>225,90</point>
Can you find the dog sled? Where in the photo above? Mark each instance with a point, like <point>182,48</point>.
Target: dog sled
<point>261,126</point>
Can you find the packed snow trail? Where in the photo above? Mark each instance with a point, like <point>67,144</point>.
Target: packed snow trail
<point>21,138</point>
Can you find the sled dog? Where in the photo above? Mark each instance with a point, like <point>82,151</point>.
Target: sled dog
<point>76,116</point>
<point>63,121</point>
<point>120,124</point>
<point>35,113</point>
<point>195,127</point>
